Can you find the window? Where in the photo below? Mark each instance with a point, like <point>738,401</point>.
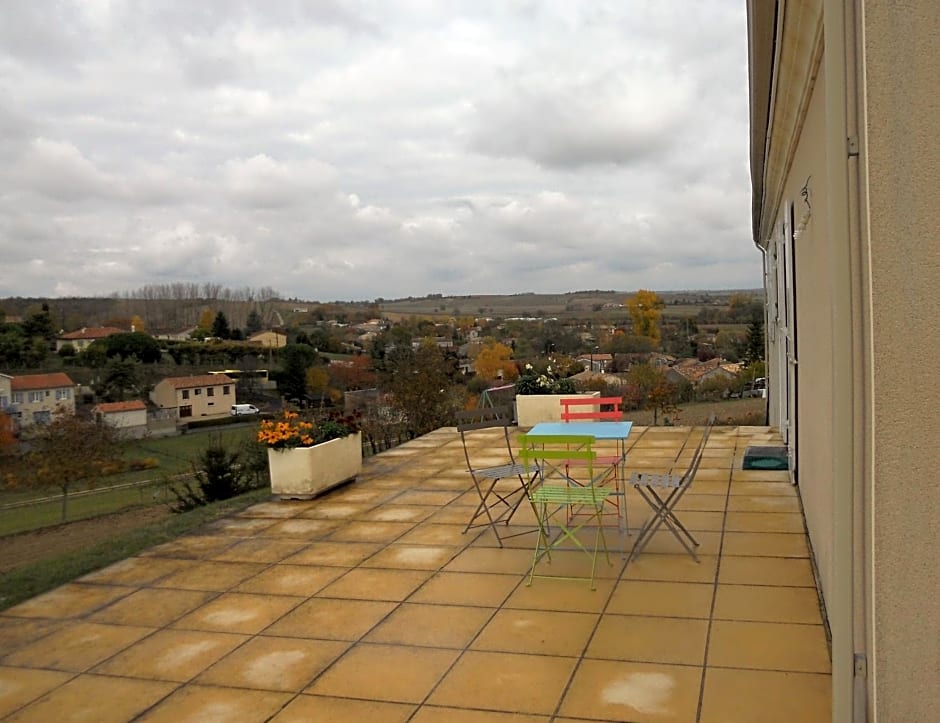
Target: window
<point>185,394</point>
<point>17,397</point>
<point>186,410</point>
<point>61,394</point>
<point>35,396</point>
<point>225,390</point>
<point>42,417</point>
<point>4,402</point>
<point>210,391</point>
<point>198,392</point>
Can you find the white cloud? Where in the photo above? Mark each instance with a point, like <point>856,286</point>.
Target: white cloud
<point>364,148</point>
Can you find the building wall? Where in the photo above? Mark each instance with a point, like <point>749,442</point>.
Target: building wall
<point>902,125</point>
<point>203,402</point>
<point>48,401</point>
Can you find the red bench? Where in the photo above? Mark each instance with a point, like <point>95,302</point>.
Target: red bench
<point>592,409</point>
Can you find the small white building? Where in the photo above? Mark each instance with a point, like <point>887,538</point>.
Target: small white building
<point>129,418</point>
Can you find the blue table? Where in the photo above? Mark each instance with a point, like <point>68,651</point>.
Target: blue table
<point>618,431</point>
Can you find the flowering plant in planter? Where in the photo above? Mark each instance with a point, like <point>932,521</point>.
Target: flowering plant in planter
<point>531,382</point>
<point>292,431</point>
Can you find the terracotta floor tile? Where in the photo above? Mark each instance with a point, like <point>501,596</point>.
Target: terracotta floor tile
<point>331,619</point>
<point>664,542</point>
<point>261,549</point>
<point>17,632</point>
<point>240,526</point>
<point>453,514</point>
<point>69,601</point>
<point>750,489</point>
<point>278,509</point>
<point>397,513</point>
<point>134,571</point>
<point>768,646</point>
<point>271,663</point>
<point>678,641</point>
<point>766,544</point>
<point>797,572</point>
<point>767,696</point>
<point>192,547</point>
<point>702,502</point>
<point>359,531</point>
<point>338,554</point>
<point>438,534</point>
<point>77,647</point>
<point>765,522</point>
<point>434,498</point>
<point>636,692</point>
<point>238,613</point>
<point>760,475</point>
<point>173,655</point>
<point>466,588</point>
<point>508,682</point>
<point>394,673</point>
<point>561,595</point>
<point>441,626</point>
<point>375,584</point>
<point>325,709</point>
<point>433,714</point>
<point>338,510</point>
<point>152,607</point>
<point>200,703</point>
<point>666,599</point>
<point>541,632</point>
<point>81,700</point>
<point>411,557</point>
<point>671,568</point>
<point>211,576</point>
<point>764,503</point>
<point>19,686</point>
<point>303,580</point>
<point>301,528</point>
<point>483,559</point>
<point>767,604</point>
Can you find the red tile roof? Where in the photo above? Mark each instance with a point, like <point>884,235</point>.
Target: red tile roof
<point>29,382</point>
<point>98,332</point>
<point>199,380</point>
<point>115,407</point>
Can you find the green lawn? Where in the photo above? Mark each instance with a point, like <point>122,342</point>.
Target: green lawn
<point>174,456</point>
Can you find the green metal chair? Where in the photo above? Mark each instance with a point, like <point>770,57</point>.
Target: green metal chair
<point>554,456</point>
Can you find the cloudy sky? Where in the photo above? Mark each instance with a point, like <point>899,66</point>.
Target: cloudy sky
<point>354,149</point>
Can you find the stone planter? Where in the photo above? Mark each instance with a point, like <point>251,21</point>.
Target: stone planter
<point>534,408</point>
<point>306,472</point>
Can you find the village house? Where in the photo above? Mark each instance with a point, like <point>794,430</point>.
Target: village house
<point>129,418</point>
<point>203,395</point>
<point>85,337</point>
<point>33,398</point>
<point>269,339</point>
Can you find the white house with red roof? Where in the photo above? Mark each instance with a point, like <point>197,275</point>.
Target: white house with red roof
<point>85,337</point>
<point>129,418</point>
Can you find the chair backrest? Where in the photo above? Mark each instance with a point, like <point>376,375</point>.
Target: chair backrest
<point>699,450</point>
<point>591,408</point>
<point>472,420</point>
<point>557,449</point>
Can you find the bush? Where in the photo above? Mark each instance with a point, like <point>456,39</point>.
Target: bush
<point>218,476</point>
<point>144,463</point>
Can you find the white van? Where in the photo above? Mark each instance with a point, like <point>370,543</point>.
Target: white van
<point>239,409</point>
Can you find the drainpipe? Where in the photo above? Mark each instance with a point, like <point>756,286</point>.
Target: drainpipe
<point>849,663</point>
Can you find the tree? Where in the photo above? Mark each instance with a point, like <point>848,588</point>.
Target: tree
<point>220,327</point>
<point>645,309</point>
<point>39,324</point>
<point>119,377</point>
<point>138,324</point>
<point>253,324</point>
<point>754,343</point>
<point>204,328</point>
<point>68,451</point>
<point>295,360</point>
<point>218,475</point>
<point>495,362</point>
<point>419,383</point>
<point>132,345</point>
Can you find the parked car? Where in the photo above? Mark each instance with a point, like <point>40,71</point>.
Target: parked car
<point>757,388</point>
<point>239,409</point>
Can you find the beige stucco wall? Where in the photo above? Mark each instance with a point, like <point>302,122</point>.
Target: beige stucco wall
<point>814,334</point>
<point>902,130</point>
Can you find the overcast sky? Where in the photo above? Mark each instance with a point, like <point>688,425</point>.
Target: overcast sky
<point>354,149</point>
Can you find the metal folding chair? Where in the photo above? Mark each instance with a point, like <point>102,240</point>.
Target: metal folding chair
<point>553,456</point>
<point>484,433</point>
<point>662,493</point>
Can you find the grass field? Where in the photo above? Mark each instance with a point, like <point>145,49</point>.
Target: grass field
<point>735,412</point>
<point>173,455</point>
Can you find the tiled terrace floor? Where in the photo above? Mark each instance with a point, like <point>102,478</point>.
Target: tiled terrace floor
<point>370,605</point>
